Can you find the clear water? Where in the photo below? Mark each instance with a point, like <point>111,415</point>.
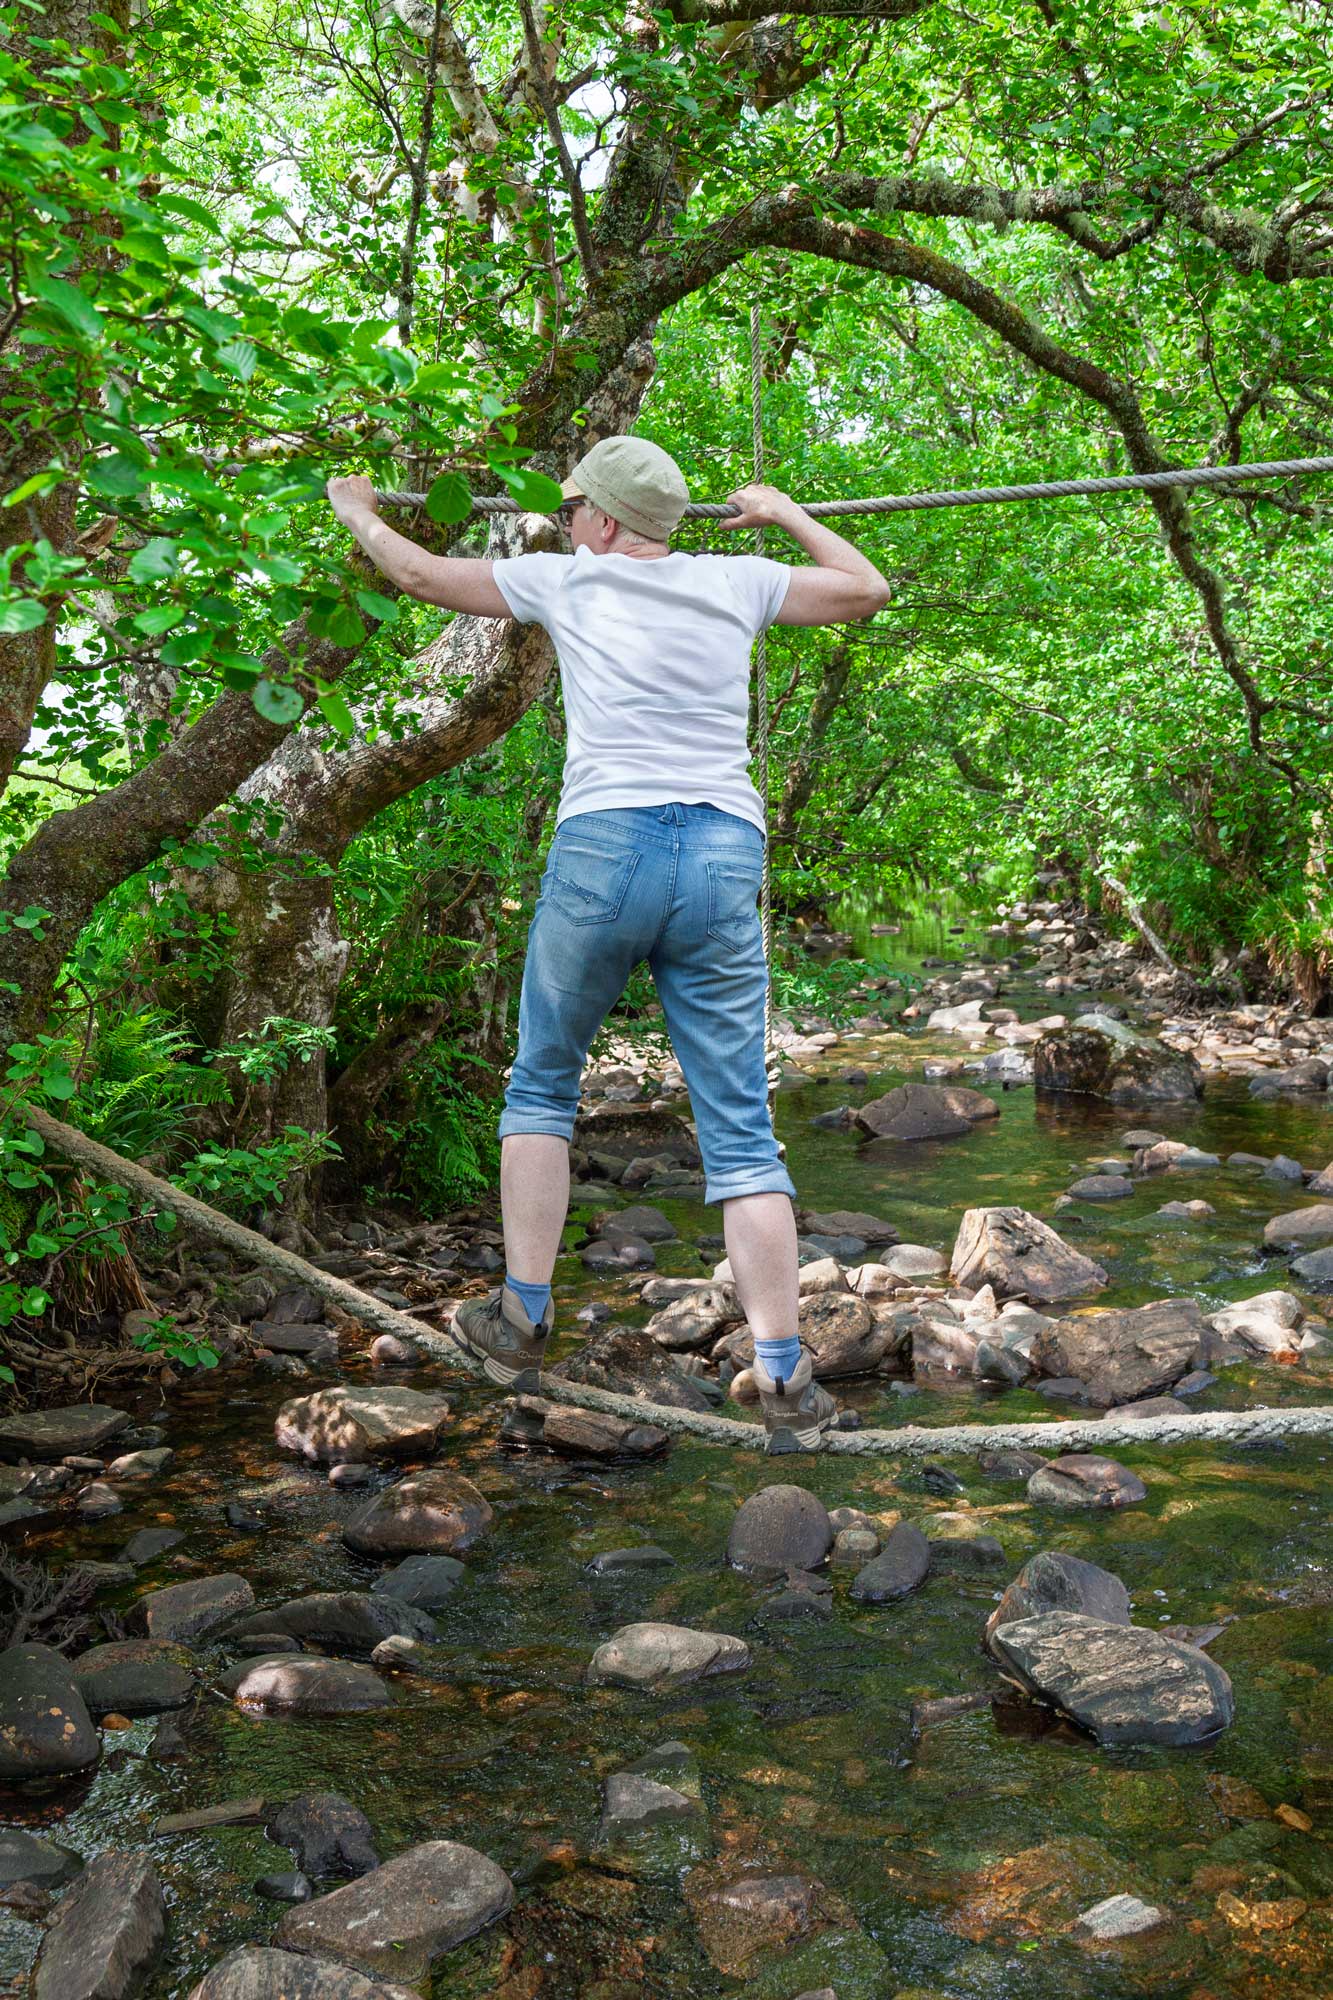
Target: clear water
<point>952,1862</point>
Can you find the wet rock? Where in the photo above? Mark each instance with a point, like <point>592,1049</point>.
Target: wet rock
<point>994,1362</point>
<point>428,1582</point>
<point>638,1802</point>
<point>630,1562</point>
<point>648,1224</point>
<point>317,1343</point>
<point>1102,1187</point>
<point>60,1433</point>
<point>1140,1138</point>
<point>1322,1182</point>
<point>576,1433</point>
<point>1082,1479</point>
<point>902,1565</point>
<point>1097,1057</point>
<point>186,1610</point>
<point>287,1886</point>
<point>1124,1356</point>
<point>297,1684</point>
<point>1147,1407</point>
<point>134,1677</point>
<point>1283,1168</point>
<point>98,1502</point>
<point>659,1658</point>
<point>296,1304</point>
<point>388,1351</point>
<point>352,1425</point>
<point>1020,1257</point>
<point>743,1916</point>
<point>26,1857</point>
<point>149,1543</point>
<point>912,1263</point>
<point>350,1622</point>
<point>853,1548</point>
<point>1187,1211</point>
<point>1054,1581</point>
<point>407,1914</point>
<point>1010,1464</point>
<point>965,1552</point>
<point>1315,1269</point>
<point>135,1465</point>
<point>1301,1228</point>
<point>630,1363</point>
<point>614,1252</point>
<point>1124,1684</point>
<point>1301,1079</point>
<point>259,1972</point>
<point>106,1932</point>
<point>247,1519</point>
<point>1278,1308</point>
<point>45,1728</point>
<point>915,1111</point>
<point>849,1222</point>
<point>326,1833</point>
<point>780,1528</point>
<point>434,1512</point>
<point>696,1318</point>
<point>1119,1917</point>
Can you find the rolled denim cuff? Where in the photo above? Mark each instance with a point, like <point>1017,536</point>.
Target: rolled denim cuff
<point>772,1179</point>
<point>548,1123</point>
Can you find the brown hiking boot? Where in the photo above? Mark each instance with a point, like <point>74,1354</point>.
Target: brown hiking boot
<point>796,1409</point>
<point>497,1332</point>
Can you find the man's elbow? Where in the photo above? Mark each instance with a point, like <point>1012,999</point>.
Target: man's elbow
<point>872,598</point>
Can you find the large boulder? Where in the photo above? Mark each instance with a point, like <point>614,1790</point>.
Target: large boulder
<point>1301,1228</point>
<point>636,1132</point>
<point>1083,1479</point>
<point>690,1321</point>
<point>901,1566</point>
<point>185,1611</point>
<point>1122,1356</point>
<point>661,1658</point>
<point>105,1934</point>
<point>259,1972</point>
<point>1054,1581</point>
<point>134,1677</point>
<point>1124,1684</point>
<point>354,1426</point>
<point>630,1362</point>
<point>45,1727</point>
<point>398,1920</point>
<point>1098,1057</point>
<point>1020,1257</point>
<point>431,1512</point>
<point>780,1528</point>
<point>925,1111</point>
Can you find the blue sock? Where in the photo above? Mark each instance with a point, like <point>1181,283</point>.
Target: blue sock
<point>778,1357</point>
<point>534,1298</point>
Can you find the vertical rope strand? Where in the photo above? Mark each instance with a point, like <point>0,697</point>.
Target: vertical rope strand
<point>761,697</point>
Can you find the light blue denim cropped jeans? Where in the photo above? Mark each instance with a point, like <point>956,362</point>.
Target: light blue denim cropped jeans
<point>677,886</point>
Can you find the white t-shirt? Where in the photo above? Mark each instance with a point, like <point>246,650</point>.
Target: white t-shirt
<point>655,663</point>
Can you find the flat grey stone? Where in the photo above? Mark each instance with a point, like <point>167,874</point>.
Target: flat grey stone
<point>633,1804</point>
<point>1119,1917</point>
<point>1055,1581</point>
<point>1301,1228</point>
<point>425,1581</point>
<point>186,1610</point>
<point>663,1657</point>
<point>1124,1684</point>
<point>901,1567</point>
<point>60,1433</point>
<point>337,1621</point>
<point>630,1562</point>
<point>45,1727</point>
<point>1102,1187</point>
<point>259,1972</point>
<point>1126,1355</point>
<point>406,1914</point>
<point>26,1857</point>
<point>106,1932</point>
<point>147,1543</point>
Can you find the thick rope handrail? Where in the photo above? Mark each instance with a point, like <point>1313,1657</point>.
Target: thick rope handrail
<point>761,710</point>
<point>966,496</point>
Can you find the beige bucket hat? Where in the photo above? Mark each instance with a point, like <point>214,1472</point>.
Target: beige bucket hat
<point>634,481</point>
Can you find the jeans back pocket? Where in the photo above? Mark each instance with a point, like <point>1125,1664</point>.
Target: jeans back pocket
<point>733,895</point>
<point>587,884</point>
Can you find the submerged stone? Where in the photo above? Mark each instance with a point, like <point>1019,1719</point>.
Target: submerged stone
<point>260,1972</point>
<point>780,1528</point>
<point>1124,1684</point>
<point>106,1932</point>
<point>407,1913</point>
<point>662,1657</point>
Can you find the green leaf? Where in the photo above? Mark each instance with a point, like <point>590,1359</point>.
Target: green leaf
<point>240,357</point>
<point>41,482</point>
<point>116,476</point>
<point>532,490</point>
<point>158,618</point>
<point>436,378</point>
<point>21,614</point>
<point>279,569</point>
<point>70,304</point>
<point>375,605</point>
<point>277,701</point>
<point>155,562</point>
<point>449,500</point>
<point>189,211</point>
<point>335,711</point>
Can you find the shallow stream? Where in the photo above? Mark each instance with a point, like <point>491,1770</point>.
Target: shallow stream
<point>954,1857</point>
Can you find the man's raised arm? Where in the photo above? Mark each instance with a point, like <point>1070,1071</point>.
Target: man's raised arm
<point>459,583</point>
<point>843,585</point>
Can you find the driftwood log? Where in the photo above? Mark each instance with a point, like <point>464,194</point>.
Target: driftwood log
<point>905,1441</point>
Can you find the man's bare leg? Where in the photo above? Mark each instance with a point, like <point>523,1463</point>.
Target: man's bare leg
<point>534,1201</point>
<point>760,1231</point>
